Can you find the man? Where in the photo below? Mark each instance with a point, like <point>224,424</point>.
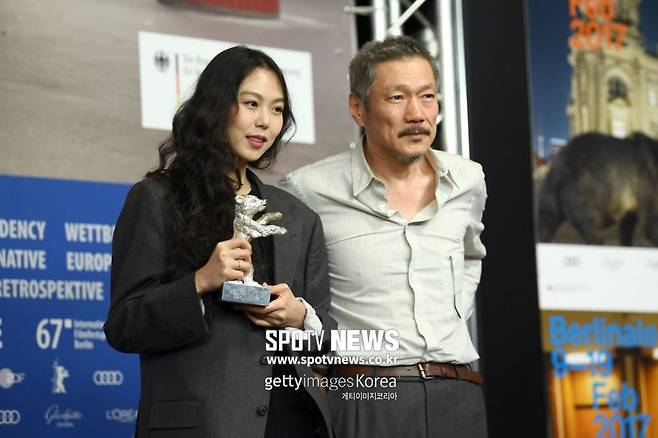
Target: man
<point>402,224</point>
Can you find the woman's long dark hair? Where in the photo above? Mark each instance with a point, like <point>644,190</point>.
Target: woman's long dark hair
<point>196,160</point>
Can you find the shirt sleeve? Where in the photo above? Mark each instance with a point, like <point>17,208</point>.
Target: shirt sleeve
<point>311,320</point>
<point>474,250</point>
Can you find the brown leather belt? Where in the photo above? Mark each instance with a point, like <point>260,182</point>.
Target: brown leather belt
<point>425,370</point>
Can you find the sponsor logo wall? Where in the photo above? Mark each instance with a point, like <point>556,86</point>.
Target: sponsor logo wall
<point>594,76</point>
<point>58,376</point>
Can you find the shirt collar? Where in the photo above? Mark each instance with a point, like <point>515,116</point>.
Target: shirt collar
<point>441,167</point>
<point>361,172</point>
<point>362,175</point>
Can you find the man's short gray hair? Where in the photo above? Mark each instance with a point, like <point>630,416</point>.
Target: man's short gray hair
<point>362,67</point>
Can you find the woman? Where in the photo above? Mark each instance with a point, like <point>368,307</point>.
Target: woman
<point>203,362</point>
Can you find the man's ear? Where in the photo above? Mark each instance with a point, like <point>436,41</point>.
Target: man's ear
<point>357,110</point>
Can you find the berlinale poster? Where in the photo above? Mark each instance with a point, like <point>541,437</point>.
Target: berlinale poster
<point>594,102</point>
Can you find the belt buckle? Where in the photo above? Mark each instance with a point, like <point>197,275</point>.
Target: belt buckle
<point>422,372</point>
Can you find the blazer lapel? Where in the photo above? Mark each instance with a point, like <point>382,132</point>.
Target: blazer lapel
<point>286,246</point>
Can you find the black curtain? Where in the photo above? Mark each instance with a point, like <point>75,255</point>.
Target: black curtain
<point>500,139</point>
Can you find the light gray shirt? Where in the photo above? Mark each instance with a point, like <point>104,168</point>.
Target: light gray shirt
<point>418,276</point>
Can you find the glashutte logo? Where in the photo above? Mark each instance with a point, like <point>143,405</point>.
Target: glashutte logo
<point>9,417</point>
<point>55,417</point>
<point>108,377</point>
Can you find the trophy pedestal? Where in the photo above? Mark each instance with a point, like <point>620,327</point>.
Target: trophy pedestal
<point>245,293</point>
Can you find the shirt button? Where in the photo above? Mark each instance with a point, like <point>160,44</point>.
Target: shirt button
<point>382,206</point>
<point>262,410</point>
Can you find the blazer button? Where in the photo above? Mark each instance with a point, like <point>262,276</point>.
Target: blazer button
<point>263,360</point>
<point>262,410</point>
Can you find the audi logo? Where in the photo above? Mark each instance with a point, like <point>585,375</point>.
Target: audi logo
<point>108,377</point>
<point>9,417</point>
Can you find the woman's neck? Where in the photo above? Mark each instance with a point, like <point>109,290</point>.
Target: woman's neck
<point>245,185</point>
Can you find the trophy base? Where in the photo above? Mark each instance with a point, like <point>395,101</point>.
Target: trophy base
<point>242,293</point>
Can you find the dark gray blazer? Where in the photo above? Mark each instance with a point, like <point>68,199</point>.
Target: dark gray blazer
<point>203,375</point>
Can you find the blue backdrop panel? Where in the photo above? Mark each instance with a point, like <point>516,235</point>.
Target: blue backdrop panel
<point>58,376</point>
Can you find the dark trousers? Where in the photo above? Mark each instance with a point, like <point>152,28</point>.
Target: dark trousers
<point>437,408</point>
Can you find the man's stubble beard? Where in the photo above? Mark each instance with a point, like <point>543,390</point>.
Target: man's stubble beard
<point>408,159</point>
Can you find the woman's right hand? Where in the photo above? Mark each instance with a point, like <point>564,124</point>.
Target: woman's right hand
<point>230,260</point>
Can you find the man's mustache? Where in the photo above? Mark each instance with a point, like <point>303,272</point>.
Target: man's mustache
<point>414,130</point>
